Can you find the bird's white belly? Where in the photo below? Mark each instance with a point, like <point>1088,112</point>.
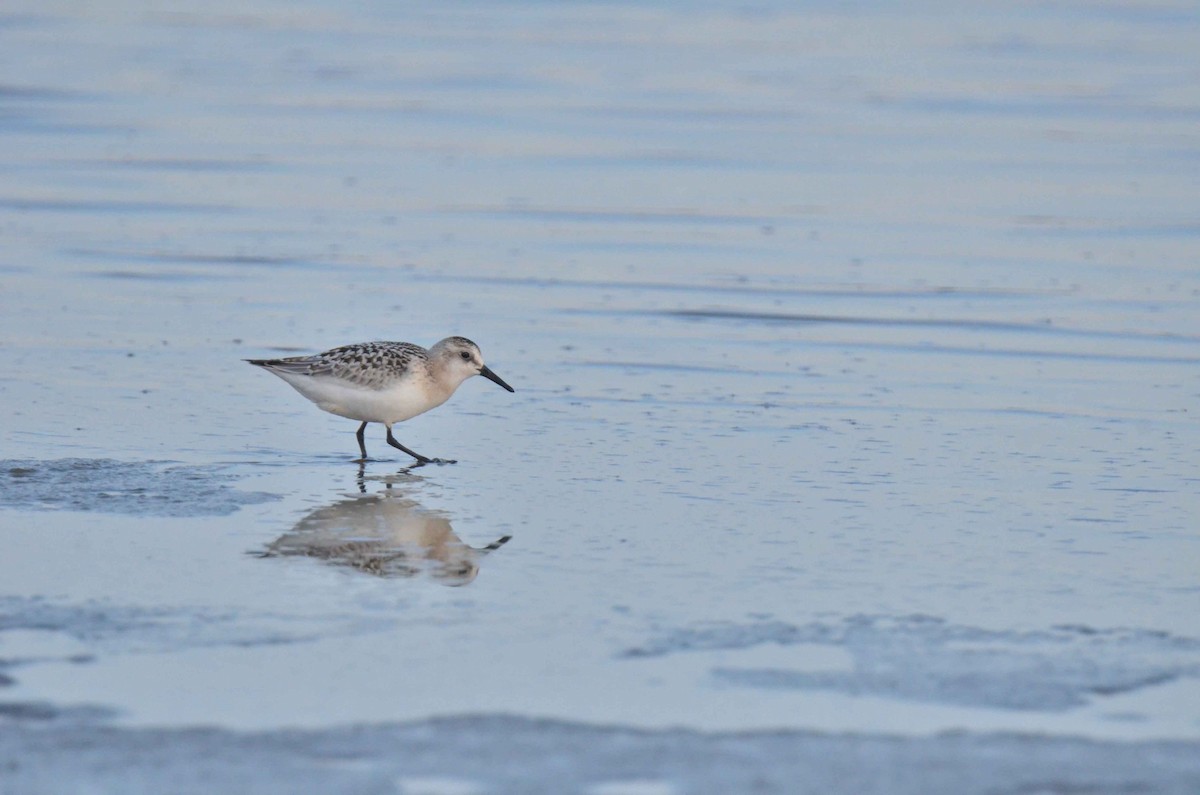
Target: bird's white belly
<point>397,403</point>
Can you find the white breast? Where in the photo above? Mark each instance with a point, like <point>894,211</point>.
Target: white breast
<point>396,403</point>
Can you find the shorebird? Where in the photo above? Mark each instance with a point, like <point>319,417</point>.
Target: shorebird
<point>384,382</point>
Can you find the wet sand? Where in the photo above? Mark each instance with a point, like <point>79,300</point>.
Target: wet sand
<point>854,439</point>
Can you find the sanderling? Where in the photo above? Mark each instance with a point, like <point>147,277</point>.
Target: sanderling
<point>385,382</point>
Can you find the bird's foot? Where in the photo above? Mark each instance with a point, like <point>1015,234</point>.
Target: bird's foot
<point>423,461</point>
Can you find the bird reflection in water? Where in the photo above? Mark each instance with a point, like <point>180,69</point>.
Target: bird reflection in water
<point>387,535</point>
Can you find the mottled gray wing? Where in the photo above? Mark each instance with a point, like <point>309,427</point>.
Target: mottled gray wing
<point>368,364</point>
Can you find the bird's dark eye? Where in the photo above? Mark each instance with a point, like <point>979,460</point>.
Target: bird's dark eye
<point>466,356</point>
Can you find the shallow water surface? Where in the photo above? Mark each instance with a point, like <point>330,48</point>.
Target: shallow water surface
<point>856,366</point>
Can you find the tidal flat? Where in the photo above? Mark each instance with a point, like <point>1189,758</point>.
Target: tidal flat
<point>854,444</point>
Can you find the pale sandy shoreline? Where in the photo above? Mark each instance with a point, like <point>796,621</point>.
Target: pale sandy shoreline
<point>503,754</point>
<point>854,444</point>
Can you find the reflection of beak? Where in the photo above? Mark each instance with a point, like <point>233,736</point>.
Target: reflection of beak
<point>492,547</point>
<point>487,373</point>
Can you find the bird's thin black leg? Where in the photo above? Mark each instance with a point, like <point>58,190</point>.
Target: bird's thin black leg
<point>362,445</point>
<point>421,460</point>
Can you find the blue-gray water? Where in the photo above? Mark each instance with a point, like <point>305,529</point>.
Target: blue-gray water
<point>856,354</point>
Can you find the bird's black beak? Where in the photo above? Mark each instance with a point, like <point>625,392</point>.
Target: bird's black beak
<point>487,373</point>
